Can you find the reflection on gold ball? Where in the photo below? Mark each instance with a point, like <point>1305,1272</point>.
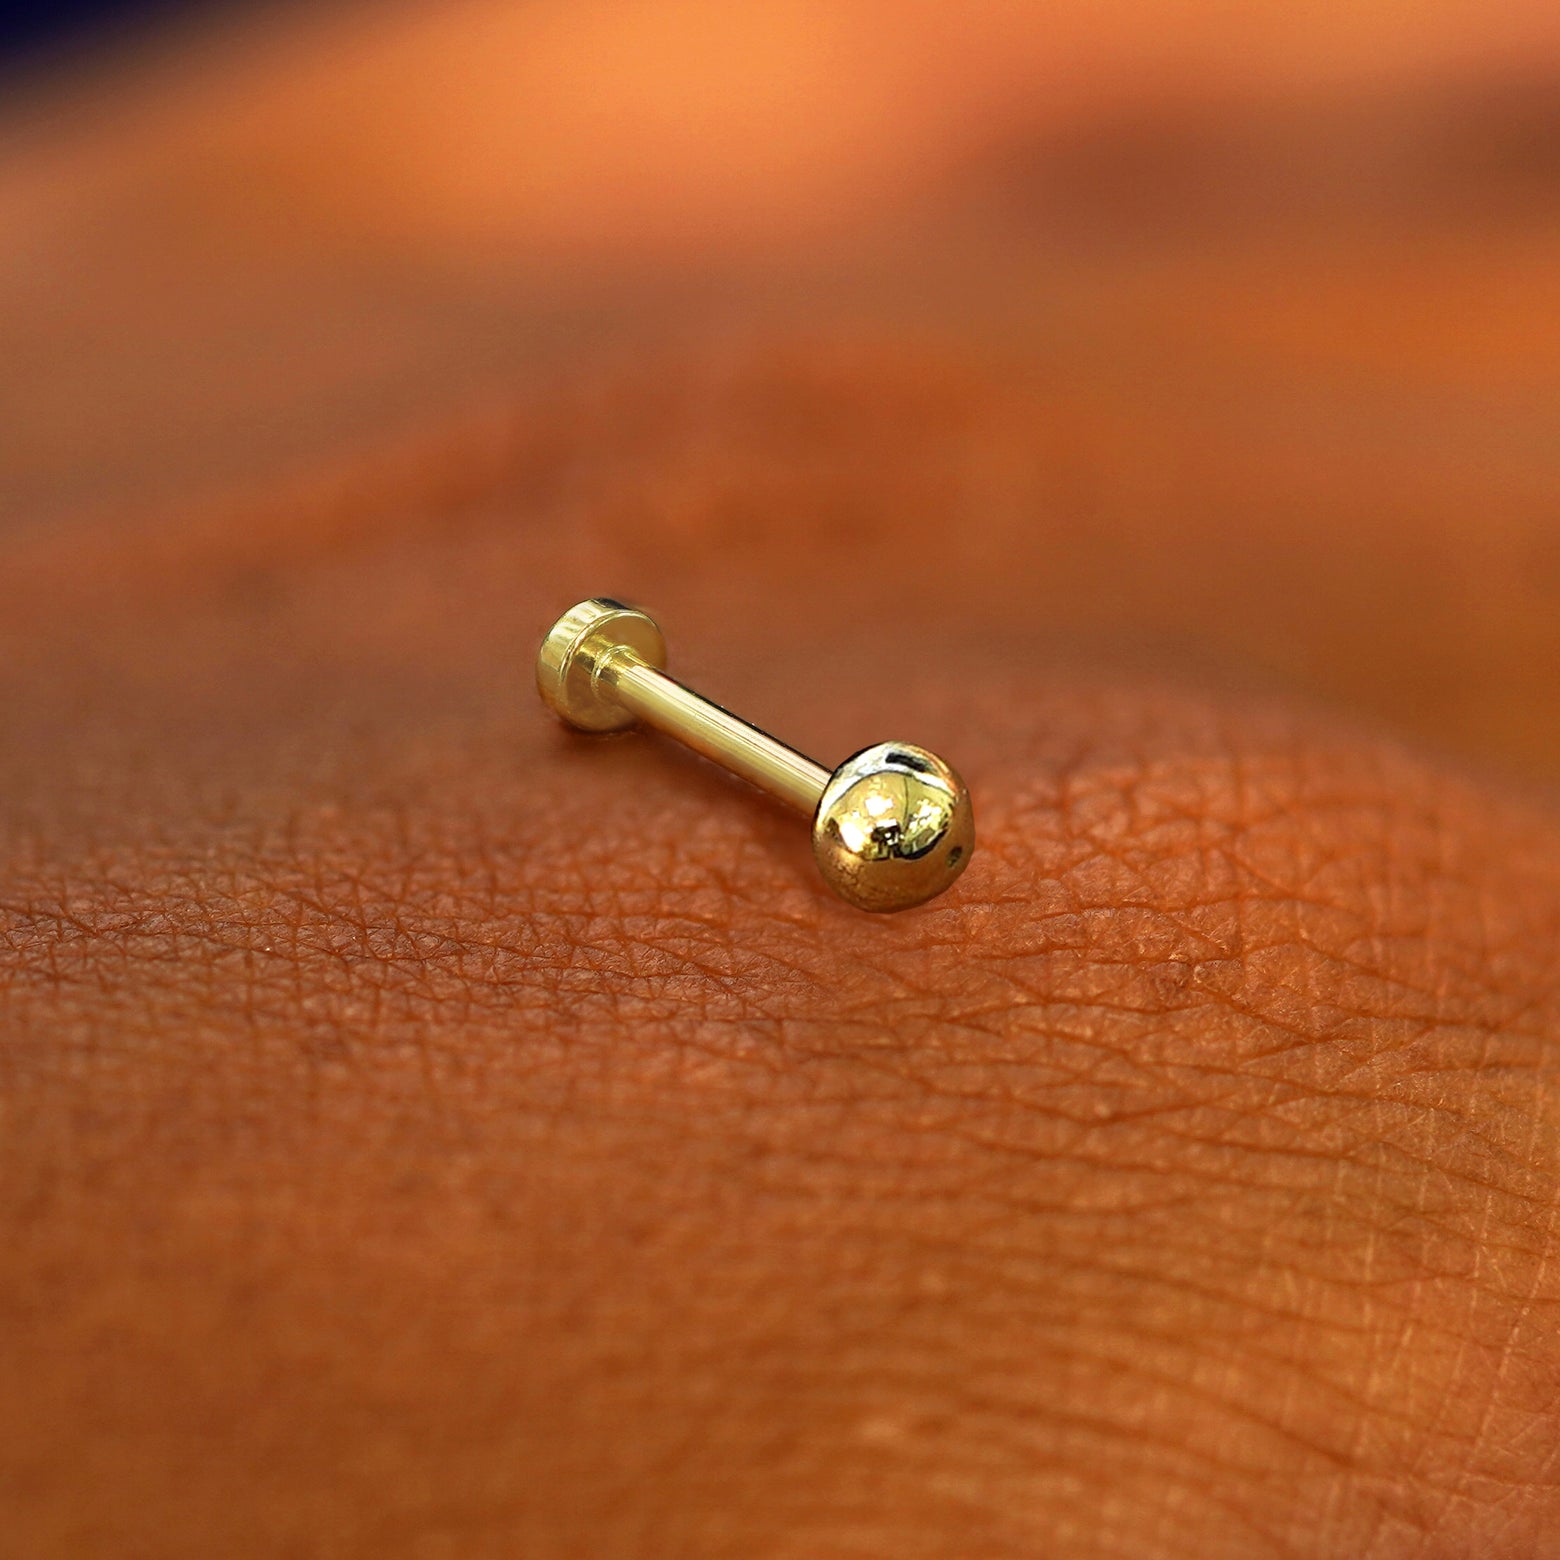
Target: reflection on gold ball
<point>894,827</point>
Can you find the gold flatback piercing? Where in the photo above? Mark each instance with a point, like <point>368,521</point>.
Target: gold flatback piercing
<point>892,826</point>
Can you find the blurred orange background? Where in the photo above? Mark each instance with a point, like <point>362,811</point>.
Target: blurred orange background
<point>1270,289</point>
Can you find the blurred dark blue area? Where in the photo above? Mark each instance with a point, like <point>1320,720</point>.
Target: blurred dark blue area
<point>48,26</point>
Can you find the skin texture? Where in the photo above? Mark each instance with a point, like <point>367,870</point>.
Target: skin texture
<point>427,1132</point>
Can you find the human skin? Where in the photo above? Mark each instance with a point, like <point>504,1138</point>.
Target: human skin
<point>426,1132</point>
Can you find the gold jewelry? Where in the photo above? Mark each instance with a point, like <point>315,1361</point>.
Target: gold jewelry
<point>892,826</point>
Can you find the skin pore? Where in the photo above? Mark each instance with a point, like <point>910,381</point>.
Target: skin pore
<point>427,1132</point>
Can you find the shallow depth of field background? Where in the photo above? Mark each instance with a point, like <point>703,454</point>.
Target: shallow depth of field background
<point>1286,272</point>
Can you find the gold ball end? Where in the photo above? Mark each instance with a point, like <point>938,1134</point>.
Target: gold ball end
<point>567,663</point>
<point>894,827</point>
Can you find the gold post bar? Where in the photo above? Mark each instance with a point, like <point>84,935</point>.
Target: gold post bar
<point>664,703</point>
